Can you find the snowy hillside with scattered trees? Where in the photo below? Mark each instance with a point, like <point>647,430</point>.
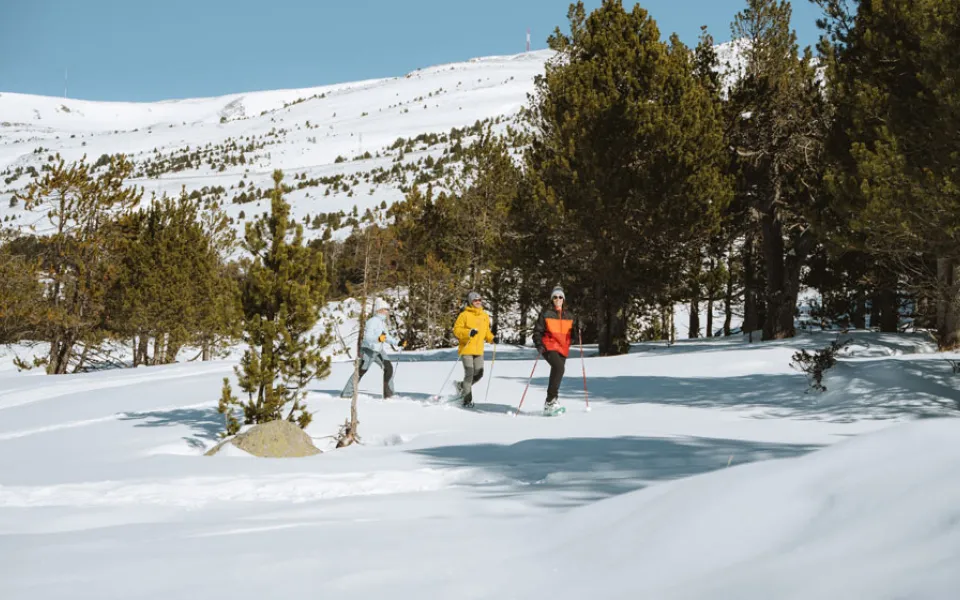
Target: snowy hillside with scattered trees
<point>625,317</point>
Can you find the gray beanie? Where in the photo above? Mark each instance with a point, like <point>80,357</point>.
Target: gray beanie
<point>557,291</point>
<point>473,296</point>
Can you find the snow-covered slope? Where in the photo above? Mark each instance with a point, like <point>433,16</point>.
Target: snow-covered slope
<point>302,131</point>
<point>704,470</point>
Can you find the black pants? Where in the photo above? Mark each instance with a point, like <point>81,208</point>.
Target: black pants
<point>557,364</point>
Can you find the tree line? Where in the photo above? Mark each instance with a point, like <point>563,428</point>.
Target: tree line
<point>654,175</point>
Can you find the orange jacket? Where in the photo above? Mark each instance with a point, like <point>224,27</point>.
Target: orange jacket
<point>555,330</point>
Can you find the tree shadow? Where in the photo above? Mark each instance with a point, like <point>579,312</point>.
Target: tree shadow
<point>580,470</point>
<point>376,394</point>
<point>863,344</point>
<point>856,390</point>
<point>206,423</point>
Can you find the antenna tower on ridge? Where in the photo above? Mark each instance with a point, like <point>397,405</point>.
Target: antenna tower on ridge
<point>528,39</point>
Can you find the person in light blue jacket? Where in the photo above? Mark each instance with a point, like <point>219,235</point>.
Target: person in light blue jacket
<point>376,333</point>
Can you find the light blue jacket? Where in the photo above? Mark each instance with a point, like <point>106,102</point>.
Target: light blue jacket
<point>375,326</point>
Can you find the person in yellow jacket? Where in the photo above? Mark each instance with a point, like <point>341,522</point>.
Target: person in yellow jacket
<point>472,329</point>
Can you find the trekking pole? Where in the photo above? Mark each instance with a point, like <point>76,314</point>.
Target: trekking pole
<point>437,397</point>
<point>528,384</point>
<point>583,365</point>
<point>490,380</point>
<point>396,368</point>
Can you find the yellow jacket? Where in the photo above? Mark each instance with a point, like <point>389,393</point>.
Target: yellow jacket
<point>472,318</point>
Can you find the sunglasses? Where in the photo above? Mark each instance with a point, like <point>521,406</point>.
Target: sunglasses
<point>558,297</point>
<point>478,299</point>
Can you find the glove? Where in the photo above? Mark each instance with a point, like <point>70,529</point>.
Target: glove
<point>496,339</point>
<point>382,338</point>
<point>473,332</point>
<point>403,343</point>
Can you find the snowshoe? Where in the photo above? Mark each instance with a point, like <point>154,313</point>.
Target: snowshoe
<point>553,409</point>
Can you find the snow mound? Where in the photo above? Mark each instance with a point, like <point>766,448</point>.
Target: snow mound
<point>874,517</point>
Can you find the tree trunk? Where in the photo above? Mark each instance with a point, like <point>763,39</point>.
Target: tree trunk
<point>171,352</point>
<point>888,303</point>
<point>612,327</point>
<point>693,330</point>
<point>710,317</point>
<point>62,358</point>
<point>143,348</point>
<point>948,315</point>
<point>348,434</point>
<point>54,356</point>
<point>670,324</point>
<point>858,315</point>
<point>524,301</point>
<point>205,352</point>
<point>728,296</point>
<point>82,359</point>
<point>664,331</point>
<point>775,327</point>
<point>751,313</point>
<point>791,286</point>
<point>495,287</point>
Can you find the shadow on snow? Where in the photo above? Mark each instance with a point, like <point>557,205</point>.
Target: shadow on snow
<point>872,389</point>
<point>580,470</point>
<point>206,423</point>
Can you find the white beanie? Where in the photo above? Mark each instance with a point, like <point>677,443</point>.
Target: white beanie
<point>557,291</point>
<point>379,305</point>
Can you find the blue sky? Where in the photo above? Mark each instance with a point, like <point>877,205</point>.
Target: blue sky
<point>142,50</point>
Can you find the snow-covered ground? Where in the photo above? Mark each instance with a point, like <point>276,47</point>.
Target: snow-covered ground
<point>703,470</point>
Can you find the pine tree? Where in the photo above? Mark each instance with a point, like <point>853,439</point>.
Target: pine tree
<point>779,123</point>
<point>174,287</point>
<point>21,296</point>
<point>431,264</point>
<point>628,151</point>
<point>283,290</point>
<point>79,255</point>
<point>484,190</point>
<point>893,67</point>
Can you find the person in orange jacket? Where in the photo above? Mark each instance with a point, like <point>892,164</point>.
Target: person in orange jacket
<point>472,329</point>
<point>552,335</point>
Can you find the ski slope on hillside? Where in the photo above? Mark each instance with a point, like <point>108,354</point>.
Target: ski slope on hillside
<point>704,470</point>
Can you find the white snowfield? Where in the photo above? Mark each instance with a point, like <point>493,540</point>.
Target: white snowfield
<point>305,130</point>
<point>702,471</point>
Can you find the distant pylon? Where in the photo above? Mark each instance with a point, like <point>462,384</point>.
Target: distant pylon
<point>528,39</point>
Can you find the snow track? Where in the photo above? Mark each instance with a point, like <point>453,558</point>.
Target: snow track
<point>196,492</point>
